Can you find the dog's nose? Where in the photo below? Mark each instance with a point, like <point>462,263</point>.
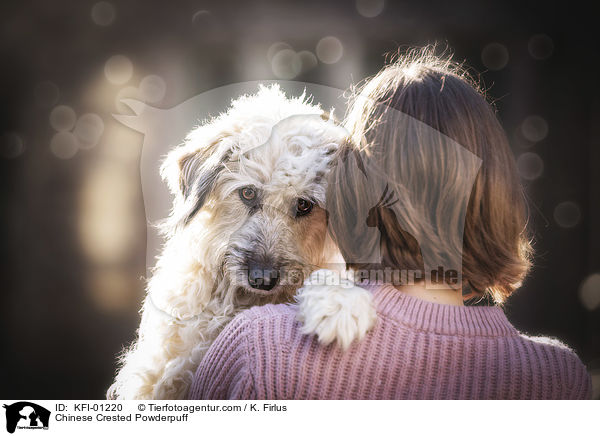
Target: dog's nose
<point>262,276</point>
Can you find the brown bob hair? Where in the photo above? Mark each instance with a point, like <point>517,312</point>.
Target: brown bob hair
<point>485,227</point>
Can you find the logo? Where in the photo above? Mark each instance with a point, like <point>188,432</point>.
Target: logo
<point>426,205</point>
<point>26,415</point>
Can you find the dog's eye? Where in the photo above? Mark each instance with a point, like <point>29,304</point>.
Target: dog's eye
<point>248,194</point>
<point>303,206</point>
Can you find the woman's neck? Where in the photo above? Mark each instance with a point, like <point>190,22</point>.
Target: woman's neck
<point>440,296</point>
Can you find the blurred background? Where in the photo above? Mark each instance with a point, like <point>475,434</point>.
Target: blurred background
<point>72,214</point>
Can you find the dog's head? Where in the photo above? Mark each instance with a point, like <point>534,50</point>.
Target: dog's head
<point>249,192</point>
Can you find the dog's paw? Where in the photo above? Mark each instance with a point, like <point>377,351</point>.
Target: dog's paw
<point>338,312</point>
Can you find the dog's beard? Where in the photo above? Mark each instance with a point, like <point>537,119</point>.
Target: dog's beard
<point>241,293</point>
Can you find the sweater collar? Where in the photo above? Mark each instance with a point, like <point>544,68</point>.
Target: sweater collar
<point>440,318</point>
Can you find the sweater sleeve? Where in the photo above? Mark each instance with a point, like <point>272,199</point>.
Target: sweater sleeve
<point>224,373</point>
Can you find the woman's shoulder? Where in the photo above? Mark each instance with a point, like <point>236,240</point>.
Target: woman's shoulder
<point>551,346</point>
<point>558,361</point>
<point>547,342</point>
<point>227,369</point>
<point>268,311</point>
<point>258,322</point>
<point>269,314</point>
<point>271,322</point>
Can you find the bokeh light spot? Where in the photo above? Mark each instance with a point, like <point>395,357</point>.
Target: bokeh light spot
<point>308,60</point>
<point>118,70</point>
<point>370,8</point>
<point>107,225</point>
<point>88,130</point>
<point>530,166</point>
<point>286,64</point>
<point>200,17</point>
<point>567,214</point>
<point>495,56</point>
<point>64,145</point>
<point>589,292</point>
<point>11,145</point>
<point>112,289</point>
<point>62,118</point>
<point>103,13</point>
<point>206,28</point>
<point>46,94</point>
<point>519,140</point>
<point>540,47</point>
<point>534,128</point>
<point>330,50</point>
<point>276,48</point>
<point>152,89</point>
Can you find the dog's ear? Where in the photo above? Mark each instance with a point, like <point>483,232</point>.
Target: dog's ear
<point>191,172</point>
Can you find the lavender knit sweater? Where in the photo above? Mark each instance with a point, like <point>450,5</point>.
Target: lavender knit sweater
<point>418,350</point>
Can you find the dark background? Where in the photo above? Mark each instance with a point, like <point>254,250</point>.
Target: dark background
<point>73,230</point>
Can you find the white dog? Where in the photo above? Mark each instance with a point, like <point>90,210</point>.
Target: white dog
<point>247,227</point>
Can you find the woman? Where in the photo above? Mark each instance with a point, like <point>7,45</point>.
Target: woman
<point>429,149</point>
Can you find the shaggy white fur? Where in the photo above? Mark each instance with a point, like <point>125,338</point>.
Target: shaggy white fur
<point>340,312</point>
<point>280,149</point>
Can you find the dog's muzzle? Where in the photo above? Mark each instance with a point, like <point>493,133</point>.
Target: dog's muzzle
<point>262,275</point>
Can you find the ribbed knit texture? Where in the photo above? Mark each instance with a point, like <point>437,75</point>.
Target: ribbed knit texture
<point>417,350</point>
